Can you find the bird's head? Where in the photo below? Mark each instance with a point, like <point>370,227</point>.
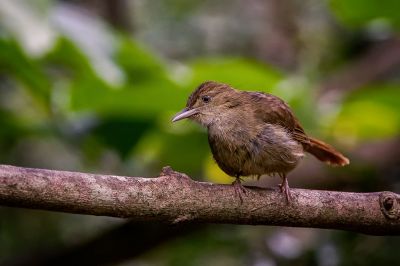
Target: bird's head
<point>209,103</point>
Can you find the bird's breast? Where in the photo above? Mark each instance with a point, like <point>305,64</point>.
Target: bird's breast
<point>240,151</point>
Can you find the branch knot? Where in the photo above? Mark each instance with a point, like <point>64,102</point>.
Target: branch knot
<point>390,205</point>
<point>168,171</point>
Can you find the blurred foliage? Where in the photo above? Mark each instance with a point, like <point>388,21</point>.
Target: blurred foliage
<point>236,71</point>
<point>209,246</point>
<point>28,71</point>
<point>373,113</point>
<point>358,13</point>
<point>58,111</point>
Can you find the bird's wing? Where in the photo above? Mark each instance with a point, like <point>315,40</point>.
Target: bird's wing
<point>273,110</point>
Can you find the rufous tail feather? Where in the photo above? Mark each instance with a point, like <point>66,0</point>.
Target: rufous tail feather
<point>325,153</point>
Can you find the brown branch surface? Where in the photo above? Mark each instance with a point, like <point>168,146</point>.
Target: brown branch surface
<point>174,197</point>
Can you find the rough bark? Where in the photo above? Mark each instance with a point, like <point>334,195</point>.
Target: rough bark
<point>176,198</point>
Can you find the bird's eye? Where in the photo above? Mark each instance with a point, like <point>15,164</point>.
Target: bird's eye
<point>206,98</point>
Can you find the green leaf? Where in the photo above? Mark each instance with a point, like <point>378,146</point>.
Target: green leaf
<point>69,60</point>
<point>139,65</point>
<point>238,72</point>
<point>370,113</point>
<point>147,93</point>
<point>16,64</point>
<point>358,13</point>
<point>120,133</point>
<point>184,152</point>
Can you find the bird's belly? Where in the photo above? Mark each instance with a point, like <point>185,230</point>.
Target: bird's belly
<point>264,154</point>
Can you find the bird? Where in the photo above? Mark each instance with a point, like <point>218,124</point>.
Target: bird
<point>253,134</point>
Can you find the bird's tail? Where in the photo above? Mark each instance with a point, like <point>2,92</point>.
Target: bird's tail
<point>325,153</point>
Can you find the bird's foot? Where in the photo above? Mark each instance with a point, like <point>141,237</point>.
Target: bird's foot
<point>240,190</point>
<point>284,188</point>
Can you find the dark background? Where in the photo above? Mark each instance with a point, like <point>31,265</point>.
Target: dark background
<point>92,85</point>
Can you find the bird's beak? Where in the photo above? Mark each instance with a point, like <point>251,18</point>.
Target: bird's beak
<point>185,113</point>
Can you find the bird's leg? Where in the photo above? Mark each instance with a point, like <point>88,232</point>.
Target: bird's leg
<point>284,187</point>
<point>239,188</point>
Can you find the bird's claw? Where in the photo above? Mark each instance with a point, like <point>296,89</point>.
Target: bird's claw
<point>284,188</point>
<point>239,189</point>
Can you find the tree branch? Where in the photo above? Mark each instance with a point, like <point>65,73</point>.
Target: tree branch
<point>174,197</point>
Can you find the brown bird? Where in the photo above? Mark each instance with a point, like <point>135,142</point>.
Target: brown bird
<point>253,133</point>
